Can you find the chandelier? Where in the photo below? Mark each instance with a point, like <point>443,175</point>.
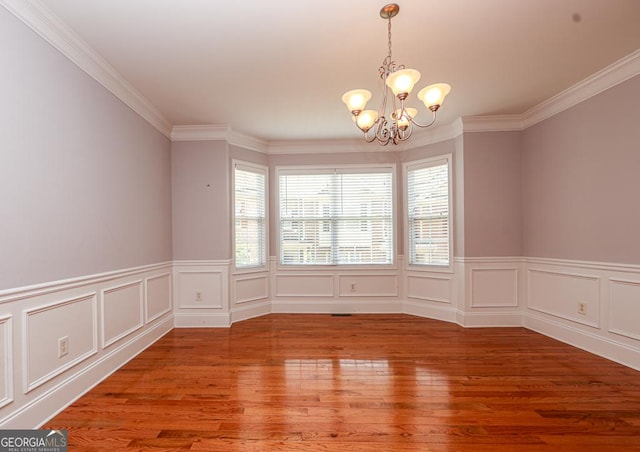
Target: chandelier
<point>393,122</point>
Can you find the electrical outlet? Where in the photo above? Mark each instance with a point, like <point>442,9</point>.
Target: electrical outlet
<point>352,287</point>
<point>198,296</point>
<point>582,308</point>
<point>63,346</point>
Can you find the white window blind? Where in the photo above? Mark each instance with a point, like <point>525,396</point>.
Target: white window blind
<point>250,216</point>
<point>336,217</point>
<point>428,213</point>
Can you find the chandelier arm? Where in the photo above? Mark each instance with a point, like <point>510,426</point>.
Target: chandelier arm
<point>433,120</point>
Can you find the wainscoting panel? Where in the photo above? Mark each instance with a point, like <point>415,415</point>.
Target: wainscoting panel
<point>304,285</point>
<point>38,376</point>
<point>6,361</point>
<point>122,311</point>
<point>377,285</point>
<point>430,287</point>
<point>158,296</point>
<point>201,289</point>
<point>561,293</point>
<point>201,293</point>
<point>494,287</point>
<point>624,308</point>
<point>250,287</point>
<point>76,320</point>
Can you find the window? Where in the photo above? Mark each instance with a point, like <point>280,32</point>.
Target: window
<point>341,216</point>
<point>428,211</point>
<point>250,182</point>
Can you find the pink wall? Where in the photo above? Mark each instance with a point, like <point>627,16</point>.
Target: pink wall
<point>84,181</point>
<point>492,194</point>
<point>200,181</point>
<point>581,179</point>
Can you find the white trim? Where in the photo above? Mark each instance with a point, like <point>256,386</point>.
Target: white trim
<point>46,405</point>
<point>511,318</point>
<point>322,147</point>
<point>336,307</point>
<point>141,291</point>
<point>148,319</point>
<point>593,265</point>
<point>205,132</point>
<point>516,287</point>
<point>30,385</point>
<point>415,165</point>
<point>7,355</point>
<point>494,123</point>
<point>250,311</point>
<point>20,293</point>
<point>349,168</point>
<point>247,142</point>
<point>431,311</point>
<point>610,314</point>
<point>489,260</point>
<point>586,340</point>
<point>202,320</point>
<point>202,263</point>
<point>262,170</point>
<point>608,77</point>
<point>41,20</point>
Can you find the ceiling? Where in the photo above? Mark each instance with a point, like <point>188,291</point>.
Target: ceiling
<point>276,70</point>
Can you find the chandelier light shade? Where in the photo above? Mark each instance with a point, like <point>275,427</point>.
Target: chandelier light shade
<point>393,122</point>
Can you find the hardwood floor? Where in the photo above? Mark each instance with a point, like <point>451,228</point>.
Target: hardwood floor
<point>361,383</point>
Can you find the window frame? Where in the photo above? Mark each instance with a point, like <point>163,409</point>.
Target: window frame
<point>259,169</point>
<point>417,165</point>
<point>346,169</point>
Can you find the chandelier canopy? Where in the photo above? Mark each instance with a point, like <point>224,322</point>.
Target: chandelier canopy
<point>393,122</point>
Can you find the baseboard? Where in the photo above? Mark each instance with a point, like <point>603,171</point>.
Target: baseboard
<point>250,311</point>
<point>585,340</point>
<point>446,313</point>
<point>490,319</point>
<point>40,410</point>
<point>336,307</point>
<point>202,320</point>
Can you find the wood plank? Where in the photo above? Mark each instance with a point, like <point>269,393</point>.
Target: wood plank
<point>360,383</point>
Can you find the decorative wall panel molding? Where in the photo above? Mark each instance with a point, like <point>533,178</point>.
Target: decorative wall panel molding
<point>494,287</point>
<point>562,293</point>
<point>36,380</point>
<point>250,287</point>
<point>430,287</point>
<point>202,288</point>
<point>6,360</point>
<point>75,319</point>
<point>157,296</point>
<point>304,285</point>
<point>368,285</point>
<point>122,311</point>
<point>624,307</point>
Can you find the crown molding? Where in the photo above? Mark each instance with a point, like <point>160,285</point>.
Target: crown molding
<point>495,123</point>
<point>612,75</point>
<point>37,17</point>
<point>204,132</point>
<point>217,132</point>
<point>41,20</point>
<point>323,147</point>
<point>247,142</point>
